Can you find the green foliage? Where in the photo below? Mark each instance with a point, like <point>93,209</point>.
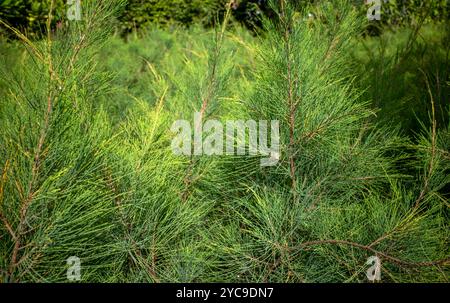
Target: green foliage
<point>30,16</point>
<point>53,171</point>
<point>87,170</point>
<point>140,13</point>
<point>414,11</point>
<point>393,67</point>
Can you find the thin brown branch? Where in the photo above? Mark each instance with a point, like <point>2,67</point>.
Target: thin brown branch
<point>3,219</point>
<point>3,180</point>
<point>383,255</point>
<point>188,180</point>
<point>369,248</point>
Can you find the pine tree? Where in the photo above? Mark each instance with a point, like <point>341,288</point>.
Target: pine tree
<point>336,197</point>
<point>55,201</point>
<point>77,181</point>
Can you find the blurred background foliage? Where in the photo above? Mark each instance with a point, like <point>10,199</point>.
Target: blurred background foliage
<point>27,15</point>
<point>412,37</point>
<point>30,15</point>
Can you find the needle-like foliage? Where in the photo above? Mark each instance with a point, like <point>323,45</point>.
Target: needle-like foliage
<point>87,168</point>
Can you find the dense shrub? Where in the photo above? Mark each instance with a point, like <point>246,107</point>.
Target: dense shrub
<point>86,167</point>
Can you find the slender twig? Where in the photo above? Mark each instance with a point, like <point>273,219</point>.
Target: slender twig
<point>433,146</point>
<point>188,180</point>
<point>3,219</point>
<point>383,255</point>
<point>25,204</point>
<point>378,253</point>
